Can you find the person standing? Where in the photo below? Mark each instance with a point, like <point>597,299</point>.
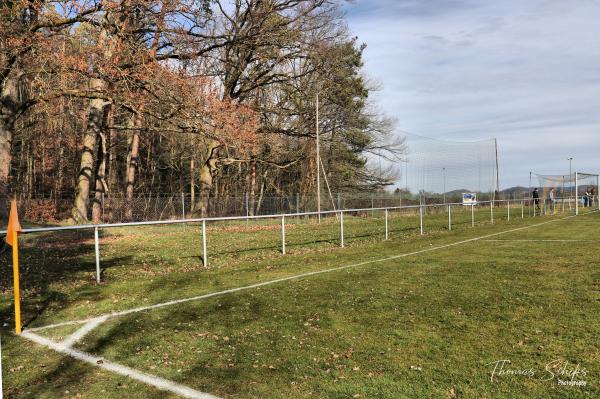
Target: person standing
<point>536,198</point>
<point>551,200</point>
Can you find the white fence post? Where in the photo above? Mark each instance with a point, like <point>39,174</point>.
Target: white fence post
<point>449,218</point>
<point>544,206</point>
<point>508,209</point>
<point>97,250</point>
<point>421,217</point>
<point>522,209</point>
<point>492,211</point>
<point>283,234</point>
<point>386,224</point>
<point>204,254</point>
<point>576,193</point>
<point>341,229</point>
<point>472,215</point>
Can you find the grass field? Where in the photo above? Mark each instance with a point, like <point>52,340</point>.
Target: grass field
<point>414,316</point>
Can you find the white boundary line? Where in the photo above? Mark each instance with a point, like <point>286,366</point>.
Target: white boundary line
<point>149,379</point>
<point>82,332</point>
<point>183,390</point>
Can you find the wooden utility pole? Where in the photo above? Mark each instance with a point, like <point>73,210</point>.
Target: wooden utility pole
<point>318,163</point>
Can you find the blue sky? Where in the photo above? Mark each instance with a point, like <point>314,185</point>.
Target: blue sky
<point>526,72</point>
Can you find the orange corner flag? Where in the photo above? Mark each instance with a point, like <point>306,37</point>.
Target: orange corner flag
<point>12,239</point>
<point>14,227</point>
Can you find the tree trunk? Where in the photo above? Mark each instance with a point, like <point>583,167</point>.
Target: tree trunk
<point>112,161</point>
<point>192,184</point>
<point>8,104</point>
<point>29,171</point>
<point>306,183</point>
<point>133,159</point>
<point>59,171</point>
<point>93,129</point>
<point>100,186</point>
<point>262,191</point>
<point>252,188</point>
<point>95,124</point>
<point>207,172</point>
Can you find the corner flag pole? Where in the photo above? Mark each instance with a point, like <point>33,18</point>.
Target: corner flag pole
<point>15,256</point>
<point>12,239</point>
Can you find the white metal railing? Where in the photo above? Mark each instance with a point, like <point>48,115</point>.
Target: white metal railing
<point>421,210</point>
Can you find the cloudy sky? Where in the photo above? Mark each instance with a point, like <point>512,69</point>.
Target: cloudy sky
<point>524,71</point>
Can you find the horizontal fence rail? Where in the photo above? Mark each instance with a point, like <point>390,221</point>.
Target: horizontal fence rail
<point>240,218</point>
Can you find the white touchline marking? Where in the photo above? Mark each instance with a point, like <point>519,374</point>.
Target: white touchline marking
<point>79,334</point>
<point>63,324</point>
<point>295,277</point>
<point>149,379</point>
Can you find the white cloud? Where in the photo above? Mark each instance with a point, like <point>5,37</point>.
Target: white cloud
<point>524,72</point>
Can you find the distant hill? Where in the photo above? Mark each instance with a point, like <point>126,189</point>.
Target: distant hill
<point>515,190</point>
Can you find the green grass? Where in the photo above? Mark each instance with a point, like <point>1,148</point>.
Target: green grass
<point>420,326</point>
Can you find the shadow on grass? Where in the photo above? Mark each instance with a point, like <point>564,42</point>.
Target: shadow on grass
<point>60,375</point>
<point>274,247</point>
<point>49,263</point>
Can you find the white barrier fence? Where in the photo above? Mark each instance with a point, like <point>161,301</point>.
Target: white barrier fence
<point>533,205</point>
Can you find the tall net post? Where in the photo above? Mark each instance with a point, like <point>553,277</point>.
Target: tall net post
<point>529,195</point>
